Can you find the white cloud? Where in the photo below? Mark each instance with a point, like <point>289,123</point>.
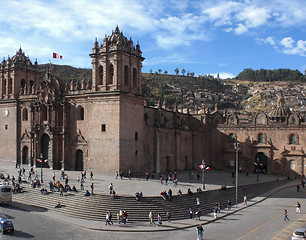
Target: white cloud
<point>253,16</point>
<point>287,42</point>
<point>240,29</point>
<point>293,49</point>
<point>268,40</point>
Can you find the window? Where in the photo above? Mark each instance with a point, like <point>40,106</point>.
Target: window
<point>261,138</point>
<point>136,136</point>
<point>5,127</point>
<point>103,128</point>
<point>292,139</point>
<point>80,113</point>
<point>136,152</point>
<point>25,114</point>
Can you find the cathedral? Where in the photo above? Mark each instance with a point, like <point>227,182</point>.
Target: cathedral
<point>104,124</point>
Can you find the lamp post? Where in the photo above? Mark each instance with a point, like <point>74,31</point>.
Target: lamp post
<point>203,174</point>
<point>41,172</point>
<point>237,148</point>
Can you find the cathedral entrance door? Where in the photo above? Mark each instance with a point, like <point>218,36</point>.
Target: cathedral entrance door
<point>79,163</point>
<point>261,163</point>
<point>46,151</point>
<point>25,155</point>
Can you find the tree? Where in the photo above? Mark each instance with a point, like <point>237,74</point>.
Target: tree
<point>159,71</point>
<point>165,72</point>
<point>183,71</point>
<point>176,71</point>
<point>151,71</point>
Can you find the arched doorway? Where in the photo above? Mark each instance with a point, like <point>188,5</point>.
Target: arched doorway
<point>25,155</point>
<point>79,163</point>
<point>45,151</point>
<point>261,163</point>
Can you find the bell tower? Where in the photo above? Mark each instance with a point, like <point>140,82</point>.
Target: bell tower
<point>116,64</point>
<point>18,76</point>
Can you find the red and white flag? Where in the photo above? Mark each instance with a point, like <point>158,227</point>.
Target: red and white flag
<point>207,168</point>
<point>56,55</point>
<point>202,166</point>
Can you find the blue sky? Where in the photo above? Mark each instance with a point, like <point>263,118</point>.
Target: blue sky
<point>204,37</point>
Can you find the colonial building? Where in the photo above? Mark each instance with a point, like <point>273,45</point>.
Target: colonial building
<point>104,123</point>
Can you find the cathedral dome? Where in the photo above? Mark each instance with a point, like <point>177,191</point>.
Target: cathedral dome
<point>280,112</point>
<point>117,38</point>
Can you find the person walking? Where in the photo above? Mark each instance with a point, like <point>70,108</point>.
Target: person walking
<point>200,231</point>
<point>111,187</point>
<point>92,188</point>
<point>298,207</point>
<point>168,216</point>
<point>215,210</point>
<point>151,218</point>
<point>159,222</point>
<point>198,201</point>
<point>245,202</point>
<point>91,176</point>
<point>190,213</point>
<point>53,177</point>
<point>286,215</point>
<point>229,205</point>
<point>298,187</point>
<point>107,221</point>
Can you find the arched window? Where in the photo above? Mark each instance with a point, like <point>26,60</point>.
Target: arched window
<point>261,138</point>
<point>134,77</point>
<point>126,75</point>
<point>111,74</point>
<point>80,113</point>
<point>4,86</point>
<point>292,139</point>
<point>22,83</point>
<point>10,86</point>
<point>31,86</point>
<point>232,137</point>
<point>24,114</point>
<point>100,76</point>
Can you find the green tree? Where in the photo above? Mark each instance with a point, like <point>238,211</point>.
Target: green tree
<point>159,71</point>
<point>183,71</point>
<point>165,72</point>
<point>176,71</point>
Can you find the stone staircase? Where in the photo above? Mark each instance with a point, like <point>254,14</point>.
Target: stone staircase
<point>94,207</point>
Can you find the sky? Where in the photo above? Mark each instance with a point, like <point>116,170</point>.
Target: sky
<point>200,36</point>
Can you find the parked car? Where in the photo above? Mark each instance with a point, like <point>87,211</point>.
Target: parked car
<point>299,234</point>
<point>6,226</point>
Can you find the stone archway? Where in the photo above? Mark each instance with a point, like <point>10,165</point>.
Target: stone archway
<point>25,155</point>
<point>261,163</point>
<point>79,160</point>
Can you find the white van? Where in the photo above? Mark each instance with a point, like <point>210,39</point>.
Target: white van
<point>6,193</point>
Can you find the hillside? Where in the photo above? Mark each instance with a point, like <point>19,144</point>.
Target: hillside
<point>190,91</point>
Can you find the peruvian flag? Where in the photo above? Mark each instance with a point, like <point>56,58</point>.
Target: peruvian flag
<point>56,55</point>
<point>207,168</point>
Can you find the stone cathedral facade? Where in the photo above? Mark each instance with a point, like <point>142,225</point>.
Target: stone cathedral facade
<point>104,124</point>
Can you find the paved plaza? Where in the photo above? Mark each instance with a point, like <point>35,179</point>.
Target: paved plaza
<point>127,187</point>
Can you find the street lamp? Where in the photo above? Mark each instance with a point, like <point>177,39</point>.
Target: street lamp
<point>41,172</point>
<point>237,148</point>
<point>203,174</point>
